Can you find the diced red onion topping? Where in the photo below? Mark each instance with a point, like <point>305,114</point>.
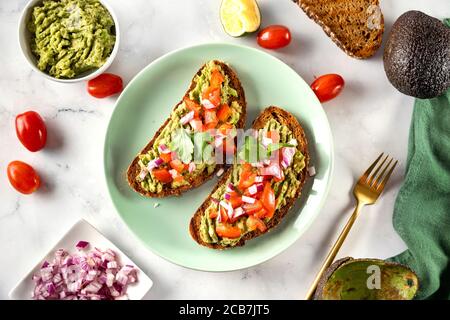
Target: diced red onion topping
<point>238,212</point>
<point>191,167</point>
<point>207,104</point>
<point>215,200</point>
<point>265,141</point>
<point>288,155</point>
<point>312,171</point>
<point>162,148</point>
<point>259,179</point>
<point>174,173</point>
<point>272,170</point>
<point>227,207</point>
<point>230,187</point>
<point>154,164</point>
<point>293,142</point>
<point>220,172</point>
<point>143,173</point>
<point>94,275</point>
<point>248,199</point>
<point>227,196</point>
<point>252,189</point>
<point>187,117</point>
<point>196,124</point>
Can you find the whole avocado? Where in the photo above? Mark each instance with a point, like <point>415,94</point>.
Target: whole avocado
<point>417,55</point>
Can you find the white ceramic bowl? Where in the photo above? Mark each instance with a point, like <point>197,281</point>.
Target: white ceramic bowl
<point>25,37</point>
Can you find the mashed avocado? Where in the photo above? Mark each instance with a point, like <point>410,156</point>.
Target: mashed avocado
<point>201,81</point>
<point>283,190</point>
<point>70,37</point>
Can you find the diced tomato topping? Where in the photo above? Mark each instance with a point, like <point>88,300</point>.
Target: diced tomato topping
<point>268,200</point>
<point>224,230</point>
<point>162,175</point>
<point>177,165</point>
<point>213,95</point>
<point>246,180</point>
<point>246,167</point>
<point>251,208</point>
<point>261,213</point>
<point>211,118</point>
<point>216,79</point>
<point>193,106</point>
<point>213,213</point>
<point>167,157</point>
<point>235,200</point>
<point>223,214</point>
<point>179,179</point>
<point>224,113</point>
<point>254,223</point>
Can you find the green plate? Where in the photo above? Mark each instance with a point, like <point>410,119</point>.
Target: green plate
<point>146,103</point>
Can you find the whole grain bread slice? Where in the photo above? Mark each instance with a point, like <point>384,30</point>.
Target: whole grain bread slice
<point>287,119</point>
<point>356,26</point>
<point>134,168</point>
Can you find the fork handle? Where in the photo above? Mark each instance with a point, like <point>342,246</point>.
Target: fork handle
<point>334,250</point>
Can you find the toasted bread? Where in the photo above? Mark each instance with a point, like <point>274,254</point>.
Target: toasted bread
<point>356,26</point>
<point>285,118</point>
<point>134,168</point>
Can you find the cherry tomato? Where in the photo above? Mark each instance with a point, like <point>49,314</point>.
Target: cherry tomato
<point>254,223</point>
<point>268,200</point>
<point>228,231</point>
<point>105,85</point>
<point>274,37</point>
<point>23,177</point>
<point>247,178</point>
<point>31,130</point>
<point>162,175</point>
<point>328,86</point>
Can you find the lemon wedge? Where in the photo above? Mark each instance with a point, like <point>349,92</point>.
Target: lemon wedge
<point>239,16</point>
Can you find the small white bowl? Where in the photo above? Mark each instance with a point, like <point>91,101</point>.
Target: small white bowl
<point>82,230</point>
<point>25,41</point>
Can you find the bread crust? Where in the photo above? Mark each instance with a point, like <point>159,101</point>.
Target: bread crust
<point>287,119</point>
<point>134,168</point>
<point>347,34</point>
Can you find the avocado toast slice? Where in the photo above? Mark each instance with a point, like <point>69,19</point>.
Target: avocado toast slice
<point>252,198</point>
<point>215,99</point>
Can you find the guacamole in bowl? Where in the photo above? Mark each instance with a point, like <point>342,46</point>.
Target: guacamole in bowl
<point>71,37</point>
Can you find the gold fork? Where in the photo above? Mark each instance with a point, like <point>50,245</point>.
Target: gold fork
<point>367,190</point>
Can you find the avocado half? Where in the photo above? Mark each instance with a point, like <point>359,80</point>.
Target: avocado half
<point>353,279</point>
<point>417,55</point>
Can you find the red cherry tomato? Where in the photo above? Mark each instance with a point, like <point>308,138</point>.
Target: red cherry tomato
<point>162,175</point>
<point>31,130</point>
<point>274,37</point>
<point>105,85</point>
<point>328,86</point>
<point>23,177</point>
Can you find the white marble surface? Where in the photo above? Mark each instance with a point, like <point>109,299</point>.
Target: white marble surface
<point>370,116</point>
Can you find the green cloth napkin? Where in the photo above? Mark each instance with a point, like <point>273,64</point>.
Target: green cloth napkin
<point>422,208</point>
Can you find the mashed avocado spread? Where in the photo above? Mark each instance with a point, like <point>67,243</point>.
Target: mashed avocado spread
<point>70,37</point>
<point>202,82</point>
<point>283,190</point>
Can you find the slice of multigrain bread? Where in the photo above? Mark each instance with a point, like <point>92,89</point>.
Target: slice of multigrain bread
<point>134,168</point>
<point>287,119</point>
<point>356,26</point>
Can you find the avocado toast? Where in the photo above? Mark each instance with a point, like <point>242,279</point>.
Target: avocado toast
<point>252,197</point>
<point>164,167</point>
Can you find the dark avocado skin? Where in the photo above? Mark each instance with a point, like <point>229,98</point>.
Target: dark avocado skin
<point>417,55</point>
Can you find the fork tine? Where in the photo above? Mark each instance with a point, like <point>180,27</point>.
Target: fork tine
<point>380,177</point>
<point>363,178</point>
<point>374,175</point>
<point>382,184</point>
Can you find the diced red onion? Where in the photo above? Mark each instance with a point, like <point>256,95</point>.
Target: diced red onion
<point>227,207</point>
<point>215,200</point>
<point>312,171</point>
<point>260,187</point>
<point>143,173</point>
<point>248,199</point>
<point>288,155</point>
<point>187,117</point>
<point>238,212</point>
<point>83,276</point>
<point>191,167</point>
<point>207,104</point>
<point>196,124</point>
<point>265,141</point>
<point>272,170</point>
<point>162,148</point>
<point>174,173</point>
<point>259,179</point>
<point>293,142</point>
<point>252,189</point>
<point>82,244</point>
<point>230,187</point>
<point>154,164</point>
<point>227,196</point>
<point>220,172</point>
